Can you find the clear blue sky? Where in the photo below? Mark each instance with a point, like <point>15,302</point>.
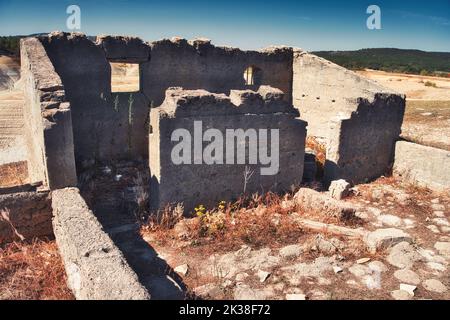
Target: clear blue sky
<point>312,25</point>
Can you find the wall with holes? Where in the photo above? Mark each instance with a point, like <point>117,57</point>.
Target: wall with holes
<point>200,65</point>
<point>111,126</point>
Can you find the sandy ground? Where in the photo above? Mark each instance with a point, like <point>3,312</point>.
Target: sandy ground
<point>412,85</point>
<point>427,116</point>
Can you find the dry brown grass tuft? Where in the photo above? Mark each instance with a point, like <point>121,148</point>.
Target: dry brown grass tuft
<point>32,272</point>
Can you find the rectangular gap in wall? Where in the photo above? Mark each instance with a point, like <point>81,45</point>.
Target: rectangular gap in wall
<point>124,77</point>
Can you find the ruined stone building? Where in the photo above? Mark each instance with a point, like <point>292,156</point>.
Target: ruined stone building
<point>74,121</point>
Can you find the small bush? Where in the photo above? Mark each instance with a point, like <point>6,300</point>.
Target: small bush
<point>430,84</point>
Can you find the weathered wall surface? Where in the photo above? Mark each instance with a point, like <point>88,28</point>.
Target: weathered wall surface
<point>30,213</point>
<point>48,120</point>
<point>95,267</point>
<point>105,126</point>
<point>201,183</point>
<point>359,119</point>
<point>200,65</point>
<point>425,166</point>
<point>110,126</point>
<point>322,90</point>
<point>361,147</point>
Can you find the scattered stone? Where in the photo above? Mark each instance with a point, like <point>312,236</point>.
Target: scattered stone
<point>433,228</point>
<point>377,266</point>
<point>385,238</point>
<point>352,283</point>
<point>437,207</point>
<point>407,276</point>
<point>403,255</point>
<point>439,214</point>
<point>372,281</point>
<point>443,248</point>
<point>327,246</point>
<point>436,266</point>
<point>408,288</point>
<point>374,211</point>
<point>363,260</point>
<point>337,269</point>
<point>232,263</point>
<point>402,199</point>
<point>244,292</point>
<point>182,269</point>
<point>436,200</point>
<point>339,189</point>
<point>295,296</point>
<point>359,270</point>
<point>263,275</point>
<point>241,276</point>
<point>390,220</point>
<point>209,290</point>
<point>434,285</point>
<point>441,222</point>
<point>292,251</point>
<point>401,295</point>
<point>409,222</point>
<point>446,230</point>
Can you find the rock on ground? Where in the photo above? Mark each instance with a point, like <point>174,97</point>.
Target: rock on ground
<point>339,189</point>
<point>407,276</point>
<point>403,255</point>
<point>385,238</point>
<point>434,285</point>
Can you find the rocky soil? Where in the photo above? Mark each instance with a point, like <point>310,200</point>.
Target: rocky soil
<point>410,227</point>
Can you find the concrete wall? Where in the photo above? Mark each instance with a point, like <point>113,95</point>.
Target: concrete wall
<point>425,166</point>
<point>360,147</point>
<point>104,127</point>
<point>48,120</point>
<point>30,213</point>
<point>95,267</point>
<point>359,119</point>
<point>195,184</point>
<point>200,65</point>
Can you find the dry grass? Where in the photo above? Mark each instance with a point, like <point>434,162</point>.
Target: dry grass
<point>13,174</point>
<point>32,272</point>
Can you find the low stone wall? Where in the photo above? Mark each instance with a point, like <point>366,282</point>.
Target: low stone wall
<point>198,182</point>
<point>95,267</point>
<point>25,214</point>
<point>425,166</point>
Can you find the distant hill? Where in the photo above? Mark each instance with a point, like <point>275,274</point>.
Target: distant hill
<point>392,60</point>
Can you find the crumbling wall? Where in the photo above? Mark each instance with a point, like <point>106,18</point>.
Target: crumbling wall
<point>425,166</point>
<point>113,126</point>
<point>359,119</point>
<point>207,184</point>
<point>27,213</point>
<point>48,120</point>
<point>360,147</point>
<point>105,126</point>
<point>96,268</point>
<point>198,64</point>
